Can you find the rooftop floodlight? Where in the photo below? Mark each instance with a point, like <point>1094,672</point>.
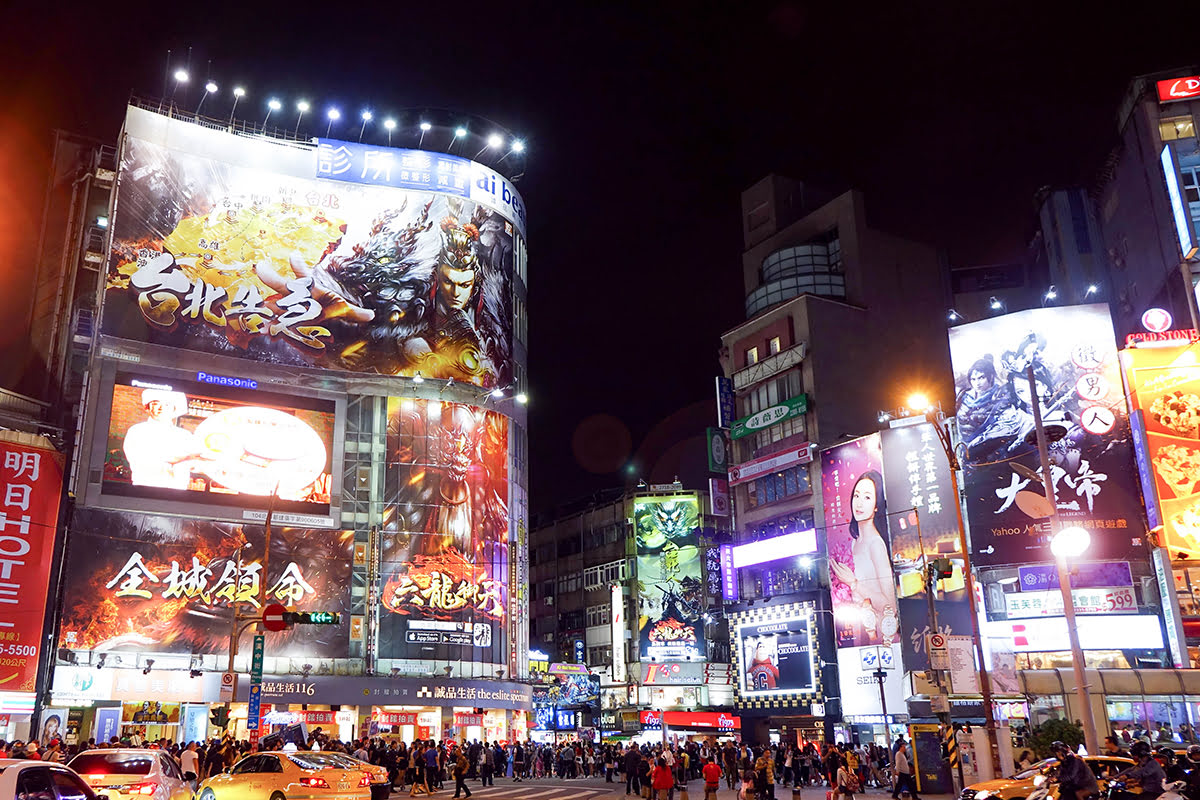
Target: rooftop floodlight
<point>521,398</point>
<point>954,316</point>
<point>367,116</point>
<point>418,378</point>
<point>518,146</point>
<point>239,91</point>
<point>390,124</point>
<point>1052,293</point>
<point>333,115</point>
<point>181,76</point>
<point>995,303</point>
<point>209,88</point>
<point>1092,289</point>
<point>238,94</point>
<point>425,126</point>
<point>301,107</point>
<point>497,392</point>
<point>460,132</point>
<point>495,140</point>
<point>918,401</point>
<point>273,105</point>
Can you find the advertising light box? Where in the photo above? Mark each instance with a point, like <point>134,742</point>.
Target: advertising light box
<point>187,441</point>
<point>670,579</point>
<point>775,653</point>
<point>344,257</point>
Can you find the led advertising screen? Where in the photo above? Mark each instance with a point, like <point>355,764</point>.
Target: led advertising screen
<point>856,533</point>
<point>187,440</point>
<point>1074,359</point>
<point>1164,384</point>
<point>445,536</point>
<point>248,248</point>
<point>775,654</point>
<point>670,578</point>
<point>145,584</point>
<point>31,479</point>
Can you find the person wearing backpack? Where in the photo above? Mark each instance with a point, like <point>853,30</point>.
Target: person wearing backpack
<point>847,782</point>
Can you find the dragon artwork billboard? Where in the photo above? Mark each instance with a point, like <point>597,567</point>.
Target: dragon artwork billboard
<point>329,258</point>
<point>147,584</point>
<point>670,579</point>
<point>446,533</point>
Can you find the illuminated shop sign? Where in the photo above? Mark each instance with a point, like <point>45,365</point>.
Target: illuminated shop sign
<point>1105,600</point>
<point>1174,338</point>
<point>226,380</point>
<point>1181,215</point>
<point>670,569</point>
<point>749,470</point>
<point>788,409</point>
<point>1172,90</point>
<point>1049,634</point>
<point>789,545</point>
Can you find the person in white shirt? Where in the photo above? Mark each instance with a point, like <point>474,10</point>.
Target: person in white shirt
<point>159,452</point>
<point>189,761</point>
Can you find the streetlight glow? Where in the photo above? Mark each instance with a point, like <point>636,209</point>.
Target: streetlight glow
<point>1070,542</point>
<point>274,104</point>
<point>425,126</point>
<point>918,401</point>
<point>495,140</point>
<point>181,75</point>
<point>239,91</point>
<point>390,124</point>
<point>518,146</point>
<point>210,87</point>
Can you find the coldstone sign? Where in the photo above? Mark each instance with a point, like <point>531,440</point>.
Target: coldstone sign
<point>788,409</point>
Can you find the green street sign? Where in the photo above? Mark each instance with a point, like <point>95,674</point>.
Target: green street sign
<point>718,452</point>
<point>788,409</point>
<point>256,663</point>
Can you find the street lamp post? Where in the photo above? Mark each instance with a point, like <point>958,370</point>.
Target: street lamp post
<point>933,415</point>
<point>1066,543</point>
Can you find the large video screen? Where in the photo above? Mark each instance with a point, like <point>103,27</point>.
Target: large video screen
<point>670,579</point>
<point>247,248</point>
<point>1072,353</point>
<point>445,536</point>
<point>194,441</point>
<point>137,583</point>
<point>776,657</point>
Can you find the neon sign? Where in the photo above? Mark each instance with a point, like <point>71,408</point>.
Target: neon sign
<point>797,543</point>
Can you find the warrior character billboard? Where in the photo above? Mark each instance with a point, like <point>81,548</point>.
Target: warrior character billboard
<point>144,584</point>
<point>445,537</point>
<point>1073,357</point>
<point>669,573</point>
<point>233,246</point>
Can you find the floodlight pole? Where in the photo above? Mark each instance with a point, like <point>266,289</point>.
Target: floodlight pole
<point>934,416</point>
<point>1091,741</point>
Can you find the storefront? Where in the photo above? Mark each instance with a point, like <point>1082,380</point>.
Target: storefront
<point>680,726</point>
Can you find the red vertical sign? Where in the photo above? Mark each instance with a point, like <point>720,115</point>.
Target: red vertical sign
<point>30,485</point>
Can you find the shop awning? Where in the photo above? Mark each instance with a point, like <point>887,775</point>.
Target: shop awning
<point>1112,681</point>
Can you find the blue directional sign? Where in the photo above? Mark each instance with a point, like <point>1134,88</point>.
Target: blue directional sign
<point>252,711</point>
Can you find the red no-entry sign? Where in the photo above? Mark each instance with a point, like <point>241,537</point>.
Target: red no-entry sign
<point>273,617</point>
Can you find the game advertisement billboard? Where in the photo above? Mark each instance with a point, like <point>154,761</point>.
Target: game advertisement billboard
<point>862,586</point>
<point>670,579</point>
<point>144,584</point>
<point>1073,355</point>
<point>31,480</point>
<point>175,439</point>
<point>244,247</point>
<point>1164,384</point>
<point>446,533</point>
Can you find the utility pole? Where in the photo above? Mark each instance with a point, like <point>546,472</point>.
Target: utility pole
<point>931,579</point>
<point>247,620</point>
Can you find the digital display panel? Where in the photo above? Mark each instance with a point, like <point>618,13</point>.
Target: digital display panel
<point>147,584</point>
<point>253,249</point>
<point>446,533</point>
<point>178,440</point>
<point>775,656</point>
<point>670,578</point>
<point>1072,353</point>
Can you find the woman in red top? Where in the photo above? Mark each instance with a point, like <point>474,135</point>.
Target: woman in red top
<point>662,780</point>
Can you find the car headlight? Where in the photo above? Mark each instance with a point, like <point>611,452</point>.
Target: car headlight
<point>982,794</point>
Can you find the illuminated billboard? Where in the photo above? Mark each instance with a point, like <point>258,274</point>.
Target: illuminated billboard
<point>31,479</point>
<point>145,584</point>
<point>670,579</point>
<point>1074,359</point>
<point>861,585</point>
<point>244,247</point>
<point>445,534</point>
<point>191,441</point>
<point>1164,386</point>
<point>775,655</point>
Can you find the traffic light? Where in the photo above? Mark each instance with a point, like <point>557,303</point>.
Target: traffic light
<point>219,717</point>
<point>312,618</point>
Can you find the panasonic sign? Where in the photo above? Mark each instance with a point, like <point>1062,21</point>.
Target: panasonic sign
<point>225,380</point>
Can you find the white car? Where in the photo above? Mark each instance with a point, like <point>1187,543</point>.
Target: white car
<point>42,780</point>
<point>132,774</point>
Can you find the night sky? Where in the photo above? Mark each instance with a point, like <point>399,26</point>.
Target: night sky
<point>644,122</point>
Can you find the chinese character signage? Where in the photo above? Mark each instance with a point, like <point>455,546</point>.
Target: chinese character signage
<point>856,531</point>
<point>445,539</point>
<point>174,439</point>
<point>788,409</point>
<point>232,246</point>
<point>670,575</point>
<point>1078,381</point>
<point>31,479</point>
<point>139,583</point>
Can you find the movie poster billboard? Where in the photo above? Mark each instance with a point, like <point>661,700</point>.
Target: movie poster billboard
<point>243,247</point>
<point>445,534</point>
<point>670,579</point>
<point>1074,359</point>
<point>31,479</point>
<point>1164,385</point>
<point>144,584</point>
<point>923,524</point>
<point>775,653</point>
<point>862,587</point>
<point>174,439</point>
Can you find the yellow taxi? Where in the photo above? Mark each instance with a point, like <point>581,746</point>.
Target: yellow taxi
<point>299,775</point>
<point>1019,786</point>
<point>381,787</point>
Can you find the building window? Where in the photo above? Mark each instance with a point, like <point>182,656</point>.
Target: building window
<point>603,575</point>
<point>598,615</point>
<point>778,432</point>
<point>571,582</point>
<point>1172,128</point>
<point>791,482</point>
<point>751,356</point>
<point>1191,185</point>
<point>772,392</point>
<point>599,656</point>
<point>773,345</point>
